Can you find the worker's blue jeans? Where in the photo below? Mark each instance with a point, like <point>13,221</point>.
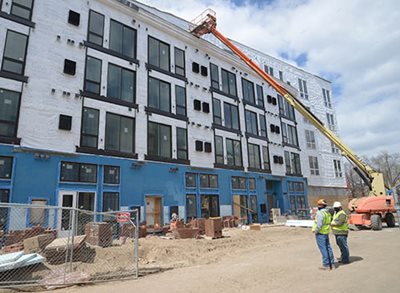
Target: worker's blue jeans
<point>341,241</point>
<point>325,248</point>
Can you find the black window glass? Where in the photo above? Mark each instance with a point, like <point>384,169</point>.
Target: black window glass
<point>190,179</point>
<point>266,158</point>
<point>69,172</point>
<point>285,109</point>
<point>235,182</point>
<point>122,39</point>
<point>121,83</point>
<point>4,198</point>
<point>159,94</point>
<point>204,181</point>
<point>93,75</point>
<point>120,133</point>
<point>96,28</point>
<point>251,122</point>
<point>213,181</point>
<point>9,109</point>
<point>217,112</point>
<point>209,206</point>
<point>242,183</point>
<point>233,152</point>
<point>88,173</point>
<point>191,207</point>
<point>74,18</point>
<point>159,140</point>
<point>90,127</point>
<point>252,183</point>
<point>159,54</point>
<point>14,52</point>
<point>181,142</point>
<point>254,156</point>
<point>248,91</point>
<point>5,167</point>
<point>214,76</point>
<point>110,201</point>
<point>180,96</point>
<point>231,116</point>
<point>219,150</point>
<point>179,62</point>
<point>111,174</point>
<point>22,8</point>
<point>228,82</point>
<point>263,126</point>
<point>260,96</point>
<point>69,67</point>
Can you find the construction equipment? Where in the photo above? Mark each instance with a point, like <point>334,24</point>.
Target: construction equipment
<point>369,211</point>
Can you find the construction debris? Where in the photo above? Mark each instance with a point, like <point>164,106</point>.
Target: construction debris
<point>16,260</point>
<point>300,223</point>
<point>213,227</point>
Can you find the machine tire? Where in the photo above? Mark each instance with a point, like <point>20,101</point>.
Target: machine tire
<point>390,221</point>
<point>376,222</point>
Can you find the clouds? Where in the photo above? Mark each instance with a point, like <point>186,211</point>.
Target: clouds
<point>355,44</point>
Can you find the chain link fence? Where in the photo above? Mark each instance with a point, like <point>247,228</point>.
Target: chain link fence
<point>51,246</point>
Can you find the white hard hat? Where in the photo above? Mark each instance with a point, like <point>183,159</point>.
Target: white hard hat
<point>337,204</point>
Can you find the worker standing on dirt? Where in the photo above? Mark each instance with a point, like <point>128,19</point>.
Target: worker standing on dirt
<point>341,230</point>
<point>321,229</point>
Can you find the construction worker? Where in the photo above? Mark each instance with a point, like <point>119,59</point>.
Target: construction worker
<point>340,229</point>
<point>321,229</point>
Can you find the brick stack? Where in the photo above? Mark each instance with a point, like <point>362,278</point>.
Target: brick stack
<point>185,233</point>
<point>199,223</point>
<point>213,227</point>
<point>99,234</point>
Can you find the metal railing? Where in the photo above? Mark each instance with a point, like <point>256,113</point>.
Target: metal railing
<point>51,246</point>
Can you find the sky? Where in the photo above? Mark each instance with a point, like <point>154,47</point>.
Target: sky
<point>353,43</point>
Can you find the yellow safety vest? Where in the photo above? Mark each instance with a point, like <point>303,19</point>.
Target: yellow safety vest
<point>344,227</point>
<point>325,222</point>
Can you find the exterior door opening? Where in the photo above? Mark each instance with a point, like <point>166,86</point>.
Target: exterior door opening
<point>153,212</point>
<point>209,205</point>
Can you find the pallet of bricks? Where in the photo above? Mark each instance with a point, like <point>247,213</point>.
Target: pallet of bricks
<point>213,227</point>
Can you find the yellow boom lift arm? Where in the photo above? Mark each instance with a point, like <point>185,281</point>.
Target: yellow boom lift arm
<point>207,23</point>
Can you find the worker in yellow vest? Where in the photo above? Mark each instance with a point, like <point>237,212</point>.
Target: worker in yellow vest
<point>340,229</point>
<point>321,230</point>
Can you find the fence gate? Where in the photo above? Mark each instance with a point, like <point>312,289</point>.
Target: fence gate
<point>57,245</point>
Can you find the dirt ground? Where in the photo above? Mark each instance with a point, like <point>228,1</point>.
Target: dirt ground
<point>275,259</point>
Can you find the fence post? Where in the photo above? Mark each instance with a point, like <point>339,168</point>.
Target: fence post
<point>136,252</point>
<point>66,247</point>
<point>73,228</point>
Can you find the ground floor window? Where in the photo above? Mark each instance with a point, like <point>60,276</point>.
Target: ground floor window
<point>293,204</point>
<point>253,208</point>
<point>191,207</point>
<point>110,201</point>
<point>4,198</point>
<point>209,205</point>
<point>240,208</point>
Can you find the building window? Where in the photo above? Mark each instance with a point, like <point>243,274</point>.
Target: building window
<point>252,183</point>
<point>110,201</point>
<point>4,198</point>
<point>181,142</point>
<point>179,62</point>
<point>310,139</point>
<point>190,179</point>
<point>335,149</point>
<point>122,39</point>
<point>77,172</point>
<point>159,140</point>
<point>6,167</point>
<point>120,133</point>
<point>314,169</point>
<point>14,52</point>
<point>251,122</point>
<point>159,94</point>
<point>238,182</point>
<point>111,175</point>
<point>208,181</point>
<point>228,82</point>
<point>209,206</point>
<point>96,28</point>
<point>37,216</point>
<point>269,70</point>
<point>214,76</point>
<point>254,156</point>
<point>285,109</point>
<point>338,168</point>
<point>331,121</point>
<point>93,75</point>
<point>217,116</point>
<point>327,98</point>
<point>219,150</point>
<point>289,134</point>
<point>22,8</point>
<point>303,88</point>
<point>301,202</point>
<point>180,97</point>
<point>248,91</point>
<point>159,54</point>
<point>260,96</point>
<point>191,207</point>
<point>266,162</point>
<point>292,161</point>
<point>121,83</point>
<point>74,18</point>
<point>263,126</point>
<point>280,75</point>
<point>9,110</point>
<point>231,114</point>
<point>233,152</point>
<point>90,128</point>
<point>296,186</point>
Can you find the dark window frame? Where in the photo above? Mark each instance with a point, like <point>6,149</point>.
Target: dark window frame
<point>254,147</point>
<point>208,185</point>
<point>186,180</point>
<point>219,155</point>
<point>231,115</point>
<point>229,76</point>
<point>184,62</point>
<point>135,41</point>
<point>250,128</point>
<point>10,168</point>
<point>159,93</point>
<point>266,159</point>
<point>122,69</point>
<point>16,122</point>
<point>111,193</point>
<point>95,34</point>
<point>246,91</point>
<point>260,96</point>
<point>85,80</point>
<point>14,60</point>
<point>263,126</point>
<point>217,115</point>
<point>79,166</point>
<point>22,7</point>
<point>179,147</point>
<point>170,139</point>
<point>119,143</point>
<point>178,106</point>
<point>159,54</point>
<point>235,164</point>
<point>118,181</point>
<point>214,79</point>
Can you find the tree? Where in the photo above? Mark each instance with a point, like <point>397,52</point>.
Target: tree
<point>355,185</point>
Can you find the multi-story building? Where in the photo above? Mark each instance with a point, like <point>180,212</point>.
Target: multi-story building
<point>110,105</point>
